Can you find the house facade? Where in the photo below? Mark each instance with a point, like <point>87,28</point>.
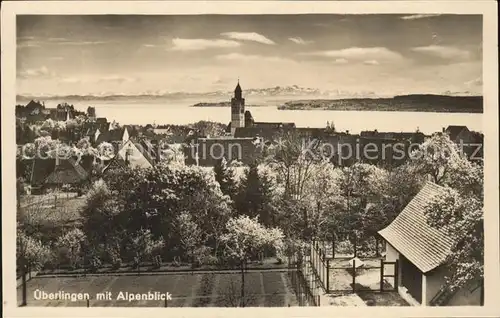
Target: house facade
<point>421,251</point>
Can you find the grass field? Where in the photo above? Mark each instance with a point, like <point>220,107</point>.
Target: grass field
<point>46,209</point>
<point>263,289</point>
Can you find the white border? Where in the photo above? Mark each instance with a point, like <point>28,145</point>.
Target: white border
<point>490,128</point>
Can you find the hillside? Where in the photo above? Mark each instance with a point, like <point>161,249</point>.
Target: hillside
<point>417,103</point>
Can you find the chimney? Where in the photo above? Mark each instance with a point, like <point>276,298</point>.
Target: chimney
<point>127,155</point>
<point>444,129</point>
<point>158,153</point>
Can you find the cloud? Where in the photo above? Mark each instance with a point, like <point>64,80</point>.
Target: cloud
<point>58,40</point>
<point>42,72</point>
<point>25,38</point>
<point>357,53</point>
<point>117,79</point>
<point>299,40</point>
<point>72,80</point>
<point>30,42</point>
<point>247,57</point>
<point>475,82</point>
<point>78,43</point>
<point>371,62</point>
<point>444,52</point>
<point>201,44</point>
<point>27,45</point>
<point>248,36</point>
<point>418,16</point>
<point>341,61</point>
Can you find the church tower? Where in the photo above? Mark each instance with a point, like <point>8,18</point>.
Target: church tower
<point>237,109</point>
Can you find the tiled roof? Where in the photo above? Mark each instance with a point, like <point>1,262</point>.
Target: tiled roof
<point>210,150</point>
<point>271,125</point>
<point>116,162</point>
<point>264,132</point>
<point>40,170</point>
<point>111,135</point>
<point>67,172</point>
<point>144,160</point>
<point>425,246</point>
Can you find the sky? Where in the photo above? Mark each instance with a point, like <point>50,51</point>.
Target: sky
<point>113,54</point>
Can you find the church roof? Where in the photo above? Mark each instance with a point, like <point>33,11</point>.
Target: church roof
<point>238,87</point>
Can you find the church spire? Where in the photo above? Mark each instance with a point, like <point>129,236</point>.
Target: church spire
<point>237,90</point>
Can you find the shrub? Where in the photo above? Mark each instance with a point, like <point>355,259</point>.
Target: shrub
<point>157,261</point>
<point>344,247</point>
<point>114,257</point>
<point>211,260</point>
<point>117,263</point>
<point>200,254</point>
<point>95,264</point>
<point>176,262</point>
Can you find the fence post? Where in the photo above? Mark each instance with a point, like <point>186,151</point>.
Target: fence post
<point>166,302</point>
<point>396,275</point>
<point>328,275</point>
<point>355,246</point>
<point>353,275</point>
<point>381,275</point>
<point>333,247</point>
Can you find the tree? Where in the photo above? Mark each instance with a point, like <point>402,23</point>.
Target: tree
<point>225,177</point>
<point>402,185</point>
<point>209,128</point>
<point>70,247</point>
<point>99,216</point>
<point>256,194</point>
<point>321,194</point>
<point>189,234</point>
<point>461,217</point>
<point>19,191</point>
<point>358,214</point>
<point>153,198</point>
<point>172,154</point>
<point>143,245</point>
<point>244,239</point>
<point>292,157</point>
<point>30,254</point>
<point>437,157</point>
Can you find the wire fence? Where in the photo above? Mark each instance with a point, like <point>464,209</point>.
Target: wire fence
<point>303,289</point>
<point>351,274</point>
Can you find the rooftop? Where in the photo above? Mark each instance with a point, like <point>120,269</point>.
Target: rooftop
<point>425,246</point>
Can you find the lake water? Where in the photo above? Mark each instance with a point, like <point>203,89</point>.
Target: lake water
<point>180,112</point>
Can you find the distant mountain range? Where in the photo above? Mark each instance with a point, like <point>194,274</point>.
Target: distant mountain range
<point>278,91</point>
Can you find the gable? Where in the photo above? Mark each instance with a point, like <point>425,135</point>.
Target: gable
<point>131,153</point>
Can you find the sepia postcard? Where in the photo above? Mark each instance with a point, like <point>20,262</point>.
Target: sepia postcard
<point>250,158</point>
